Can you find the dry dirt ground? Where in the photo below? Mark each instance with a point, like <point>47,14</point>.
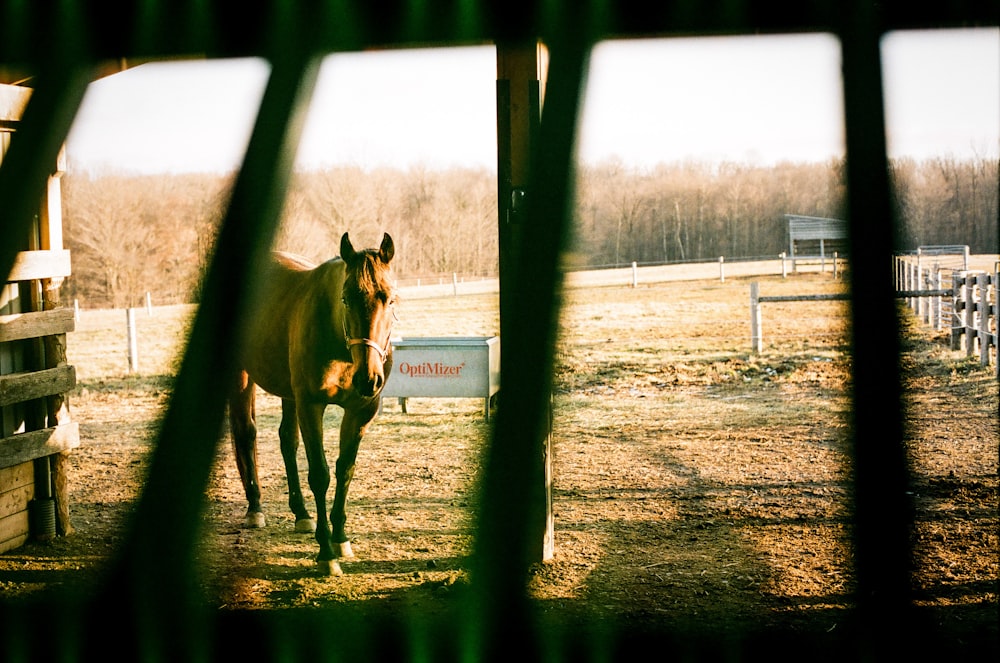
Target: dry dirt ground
<point>698,488</point>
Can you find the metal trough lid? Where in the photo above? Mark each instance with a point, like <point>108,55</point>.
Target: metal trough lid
<point>444,341</point>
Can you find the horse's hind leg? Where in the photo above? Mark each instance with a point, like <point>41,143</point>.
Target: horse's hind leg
<point>288,433</point>
<point>242,423</point>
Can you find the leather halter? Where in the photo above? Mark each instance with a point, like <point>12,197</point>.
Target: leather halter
<point>383,351</point>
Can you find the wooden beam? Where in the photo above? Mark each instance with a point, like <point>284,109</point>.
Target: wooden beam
<point>17,486</point>
<point>25,447</point>
<point>36,324</point>
<point>13,100</point>
<point>14,530</point>
<point>520,74</point>
<point>30,265</point>
<point>20,387</point>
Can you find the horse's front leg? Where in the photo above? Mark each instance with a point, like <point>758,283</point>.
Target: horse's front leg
<point>310,416</point>
<point>352,429</point>
<point>288,433</point>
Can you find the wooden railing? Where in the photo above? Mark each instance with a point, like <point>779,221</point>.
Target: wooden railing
<point>35,428</point>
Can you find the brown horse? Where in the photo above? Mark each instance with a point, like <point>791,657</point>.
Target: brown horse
<point>318,335</point>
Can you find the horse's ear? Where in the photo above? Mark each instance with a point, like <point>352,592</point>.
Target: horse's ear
<point>386,250</point>
<point>347,251</point>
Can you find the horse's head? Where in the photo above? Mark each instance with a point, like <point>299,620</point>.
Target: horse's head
<point>368,299</point>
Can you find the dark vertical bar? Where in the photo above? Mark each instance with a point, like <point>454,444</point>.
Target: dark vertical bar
<point>882,507</point>
<point>34,148</point>
<point>512,502</point>
<point>505,184</point>
<point>153,591</point>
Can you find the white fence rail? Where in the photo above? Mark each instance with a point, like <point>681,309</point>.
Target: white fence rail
<point>968,307</point>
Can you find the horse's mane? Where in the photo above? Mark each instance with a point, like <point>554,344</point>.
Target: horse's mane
<point>370,273</point>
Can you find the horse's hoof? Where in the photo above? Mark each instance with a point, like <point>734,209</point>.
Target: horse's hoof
<point>254,519</point>
<point>305,525</point>
<point>344,549</point>
<point>329,567</point>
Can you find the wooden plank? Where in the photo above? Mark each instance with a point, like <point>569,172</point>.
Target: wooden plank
<point>17,476</point>
<point>24,447</point>
<point>20,387</point>
<point>36,324</point>
<point>13,101</point>
<point>14,530</point>
<point>30,265</point>
<point>13,501</point>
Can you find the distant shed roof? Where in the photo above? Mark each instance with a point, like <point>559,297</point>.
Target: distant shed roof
<point>815,227</point>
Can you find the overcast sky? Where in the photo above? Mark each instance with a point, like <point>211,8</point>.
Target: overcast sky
<point>747,99</point>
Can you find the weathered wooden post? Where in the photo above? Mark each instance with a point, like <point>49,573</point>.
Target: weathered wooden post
<point>983,306</point>
<point>635,275</point>
<point>722,269</point>
<point>956,310</point>
<point>970,314</point>
<point>520,88</point>
<point>936,301</point>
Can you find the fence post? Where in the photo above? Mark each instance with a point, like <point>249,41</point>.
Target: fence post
<point>956,310</point>
<point>970,314</point>
<point>722,269</point>
<point>924,310</point>
<point>635,275</point>
<point>76,310</point>
<point>936,300</point>
<point>133,345</point>
<point>784,266</point>
<point>918,302</point>
<point>983,281</point>
<point>835,260</point>
<point>756,343</point>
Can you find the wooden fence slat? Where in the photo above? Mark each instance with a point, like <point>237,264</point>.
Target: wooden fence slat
<point>36,324</point>
<point>16,476</point>
<point>20,387</point>
<point>29,265</point>
<point>13,101</point>
<point>24,447</point>
<point>14,530</point>
<point>16,499</point>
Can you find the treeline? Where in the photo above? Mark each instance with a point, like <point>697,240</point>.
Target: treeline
<point>697,211</point>
<point>131,235</point>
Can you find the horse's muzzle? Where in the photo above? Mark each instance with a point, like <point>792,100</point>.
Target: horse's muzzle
<point>369,388</point>
<point>368,383</point>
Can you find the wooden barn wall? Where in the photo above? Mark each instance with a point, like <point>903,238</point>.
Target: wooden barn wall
<point>17,485</point>
<point>34,422</point>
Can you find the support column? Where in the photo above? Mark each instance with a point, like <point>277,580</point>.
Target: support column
<point>520,76</point>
